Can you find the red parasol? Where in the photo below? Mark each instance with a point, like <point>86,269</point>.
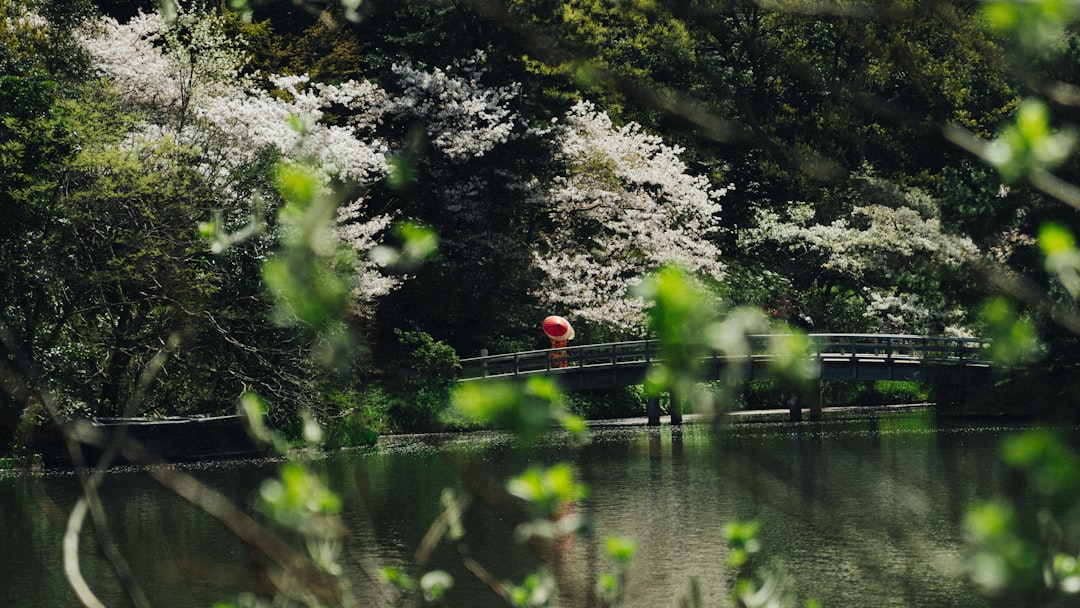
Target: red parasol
<point>558,328</point>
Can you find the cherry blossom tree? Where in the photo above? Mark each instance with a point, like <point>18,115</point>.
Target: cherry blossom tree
<point>186,77</point>
<point>877,248</point>
<point>462,157</point>
<point>166,67</point>
<point>622,204</point>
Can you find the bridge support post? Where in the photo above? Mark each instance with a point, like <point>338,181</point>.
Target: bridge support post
<point>675,408</point>
<point>652,410</point>
<point>808,394</point>
<point>813,396</point>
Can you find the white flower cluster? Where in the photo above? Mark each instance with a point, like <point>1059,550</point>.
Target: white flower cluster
<point>623,206</point>
<point>869,242</point>
<point>464,118</point>
<point>898,313</point>
<point>190,88</point>
<point>168,68</point>
<point>905,313</point>
<point>130,55</point>
<point>23,20</point>
<point>369,283</point>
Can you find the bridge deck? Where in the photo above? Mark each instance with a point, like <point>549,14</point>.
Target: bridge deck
<point>838,357</point>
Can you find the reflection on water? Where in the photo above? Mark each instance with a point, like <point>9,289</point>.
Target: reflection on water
<point>854,513</point>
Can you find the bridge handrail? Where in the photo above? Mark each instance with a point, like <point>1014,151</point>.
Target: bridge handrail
<point>825,346</point>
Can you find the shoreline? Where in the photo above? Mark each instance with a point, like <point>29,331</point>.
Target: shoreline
<point>837,412</point>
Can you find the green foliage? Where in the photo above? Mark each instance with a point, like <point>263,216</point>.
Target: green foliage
<point>355,417</point>
<point>295,498</point>
<point>123,260</point>
<point>435,584</point>
<point>1030,552</point>
<point>879,392</point>
<point>610,586</point>
<point>548,490</point>
<point>1029,144</point>
<point>419,243</point>
<point>426,356</point>
<point>742,540</point>
<point>398,578</point>
<point>326,50</point>
<point>747,592</point>
<point>423,373</point>
<point>1013,338</point>
<point>620,549</point>
<point>36,34</point>
<point>1050,465</point>
<point>1035,26</point>
<point>1058,245</point>
<point>536,590</point>
<point>640,40</point>
<point>105,264</point>
<point>529,408</point>
<point>680,315</point>
<point>608,404</point>
<point>308,278</point>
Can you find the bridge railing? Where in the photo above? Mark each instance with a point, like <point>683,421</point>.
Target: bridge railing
<point>852,347</point>
<point>549,359</point>
<point>901,346</point>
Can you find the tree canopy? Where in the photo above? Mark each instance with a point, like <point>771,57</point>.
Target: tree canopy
<point>794,157</point>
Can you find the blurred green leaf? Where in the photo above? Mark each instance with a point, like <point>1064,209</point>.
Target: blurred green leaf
<point>1004,558</point>
<point>1067,572</point>
<point>536,590</point>
<point>790,357</point>
<point>1013,338</point>
<point>620,549</point>
<point>403,173</point>
<point>397,578</point>
<point>1062,257</point>
<point>1055,238</point>
<point>1034,25</point>
<point>1052,467</point>
<point>295,496</point>
<point>1029,143</point>
<point>741,537</point>
<point>299,185</point>
<point>607,585</point>
<point>420,242</point>
<point>548,489</point>
<point>680,312</point>
<point>529,408</point>
<point>253,408</point>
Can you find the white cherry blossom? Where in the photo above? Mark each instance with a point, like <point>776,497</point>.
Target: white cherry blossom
<point>871,246</point>
<point>190,88</point>
<point>464,118</point>
<point>623,205</point>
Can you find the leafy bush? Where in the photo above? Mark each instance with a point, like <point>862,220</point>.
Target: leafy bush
<point>358,418</point>
<point>415,394</point>
<point>609,404</point>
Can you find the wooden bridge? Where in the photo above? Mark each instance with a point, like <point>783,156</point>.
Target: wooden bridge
<point>851,357</point>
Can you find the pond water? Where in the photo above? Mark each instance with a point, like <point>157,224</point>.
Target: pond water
<point>858,512</point>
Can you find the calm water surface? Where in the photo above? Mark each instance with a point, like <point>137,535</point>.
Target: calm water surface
<point>854,513</point>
